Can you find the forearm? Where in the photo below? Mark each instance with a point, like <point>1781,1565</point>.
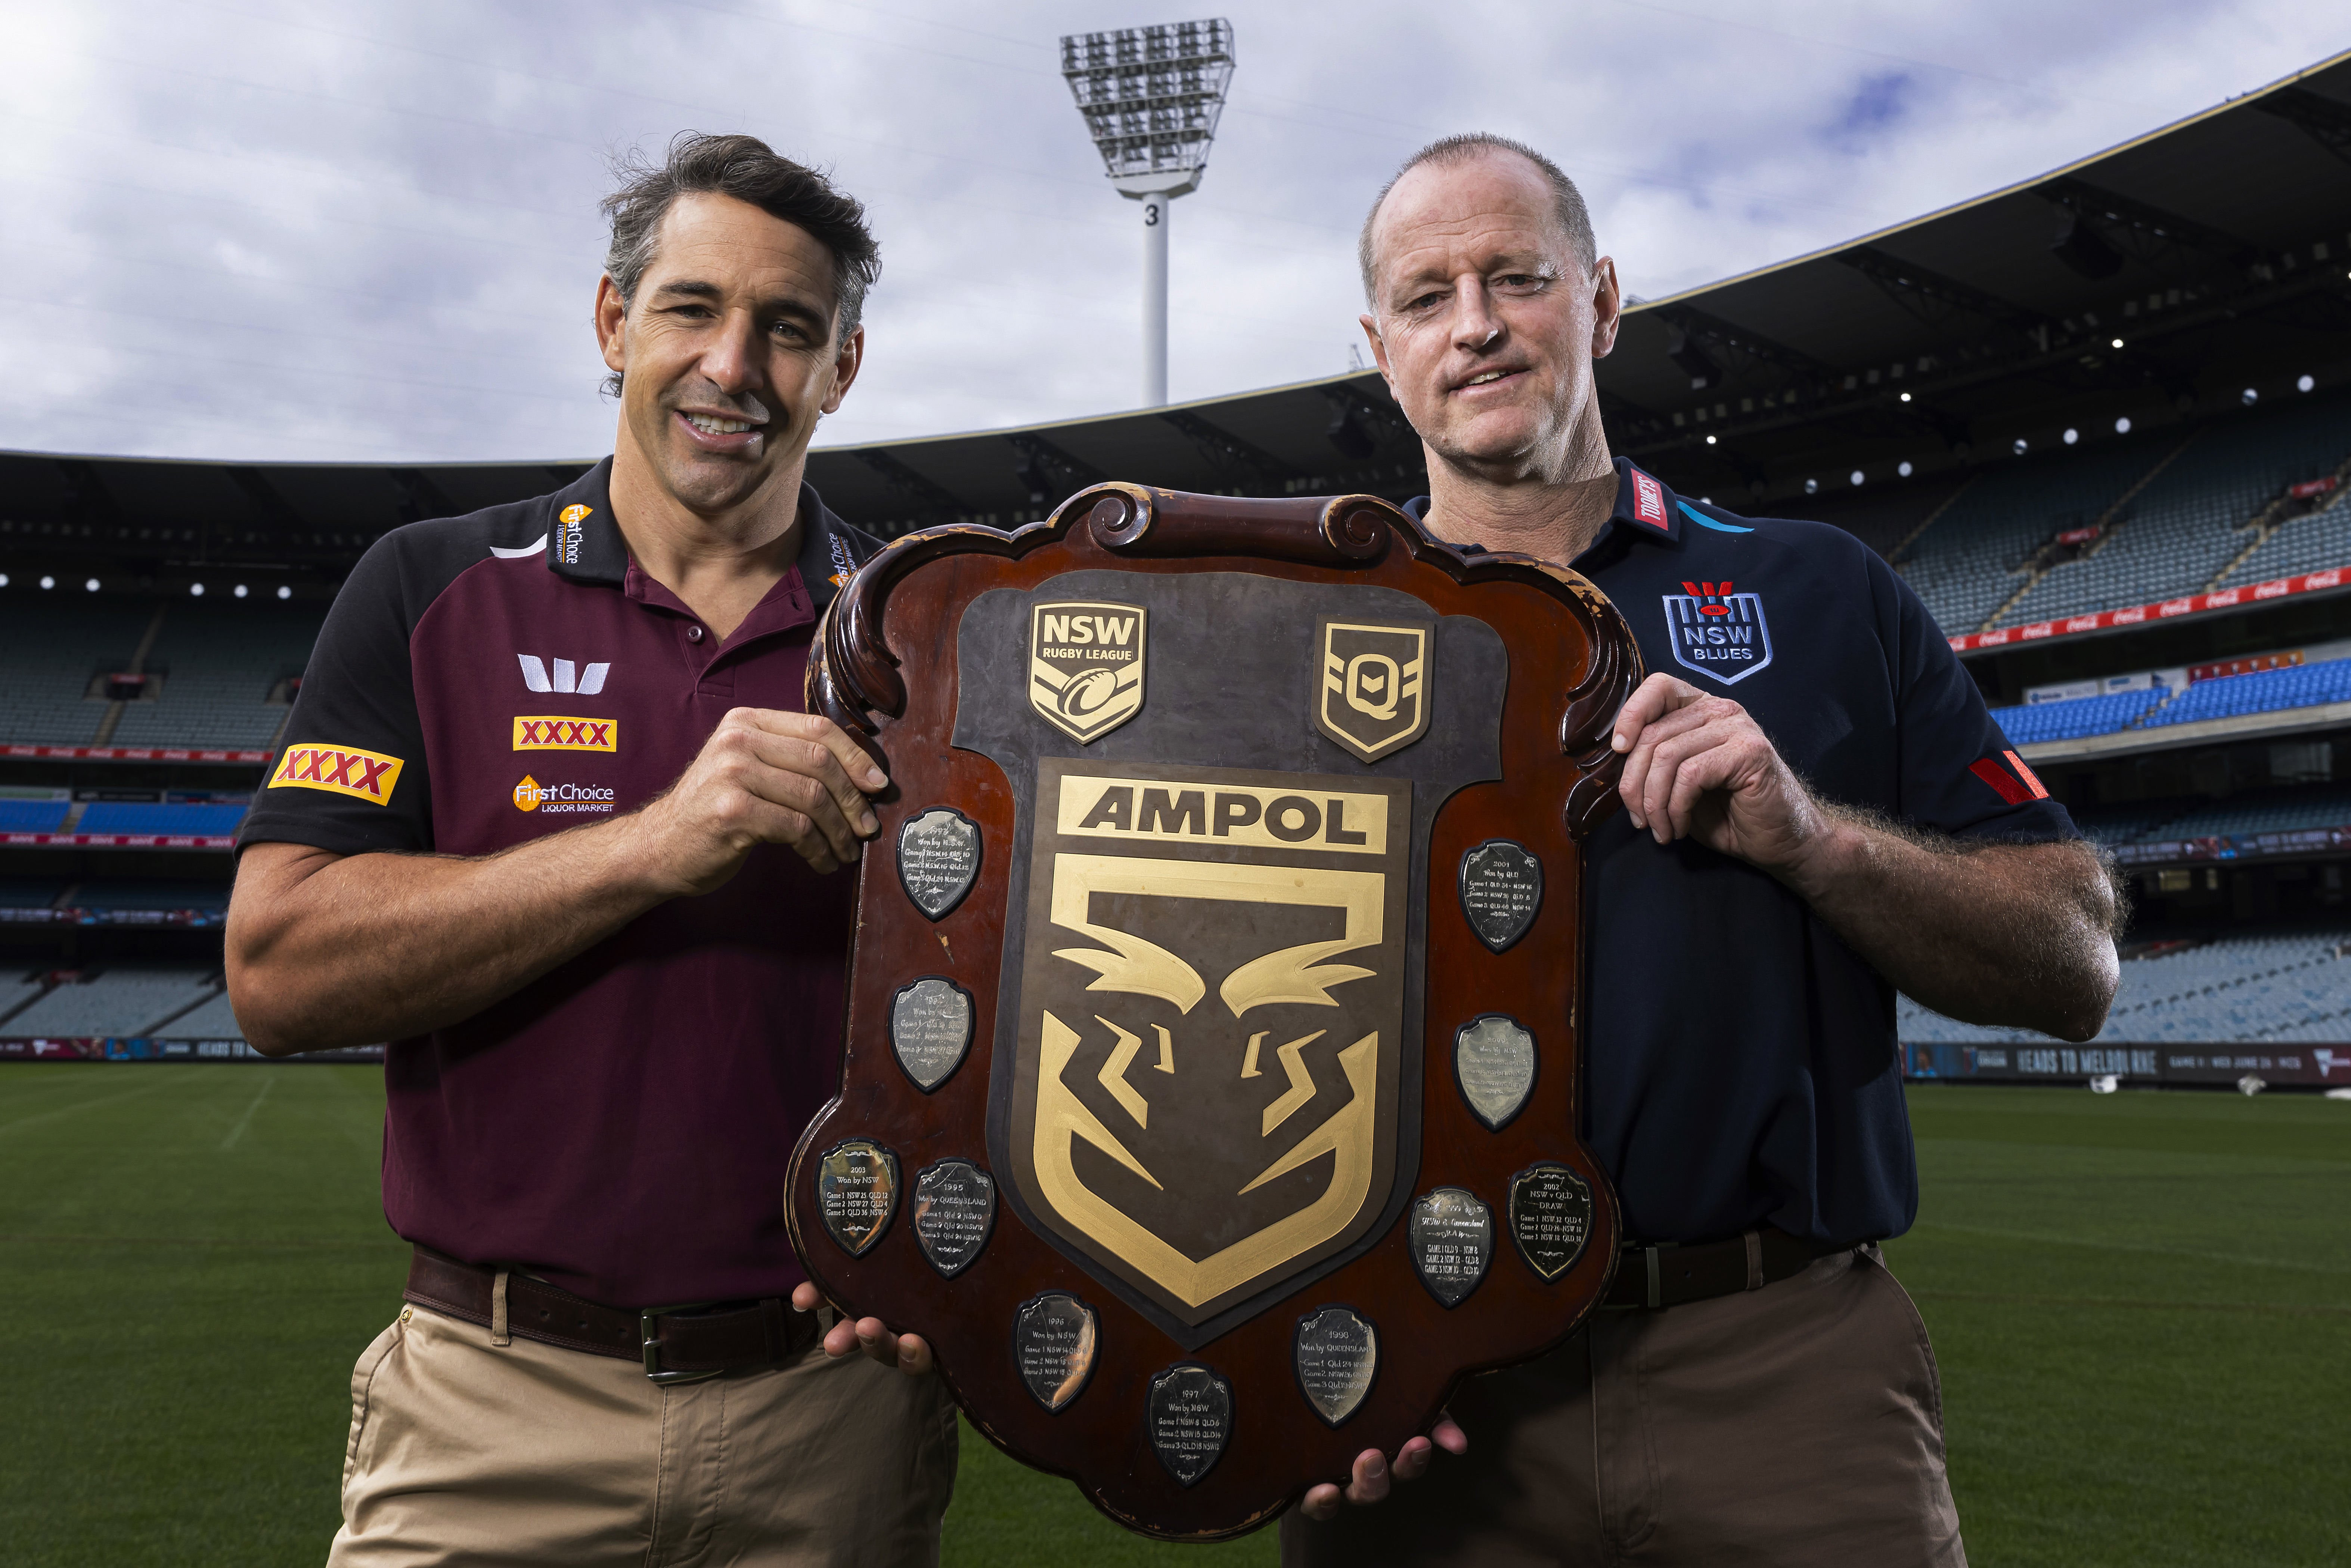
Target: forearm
<point>350,950</point>
<point>2015,934</point>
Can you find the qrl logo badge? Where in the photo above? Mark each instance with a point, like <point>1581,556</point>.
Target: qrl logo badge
<point>363,775</point>
<point>1373,696</point>
<point>1085,666</point>
<point>1720,634</point>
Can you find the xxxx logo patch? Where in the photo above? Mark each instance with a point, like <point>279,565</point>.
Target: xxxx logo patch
<point>549,732</point>
<point>363,775</point>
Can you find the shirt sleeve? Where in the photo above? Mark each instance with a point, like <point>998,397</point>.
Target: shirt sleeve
<point>1959,773</point>
<point>351,776</point>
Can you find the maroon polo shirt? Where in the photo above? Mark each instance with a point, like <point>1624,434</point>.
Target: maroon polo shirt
<point>619,1126</point>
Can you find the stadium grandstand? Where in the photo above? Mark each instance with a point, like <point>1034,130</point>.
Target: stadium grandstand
<point>2100,421</point>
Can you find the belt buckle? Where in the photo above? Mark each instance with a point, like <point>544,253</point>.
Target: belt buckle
<point>655,1372</point>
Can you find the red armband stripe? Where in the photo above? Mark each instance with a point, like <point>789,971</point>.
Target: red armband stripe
<point>2031,779</point>
<point>2009,790</point>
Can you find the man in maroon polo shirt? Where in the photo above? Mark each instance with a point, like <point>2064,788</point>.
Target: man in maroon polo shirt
<point>550,818</point>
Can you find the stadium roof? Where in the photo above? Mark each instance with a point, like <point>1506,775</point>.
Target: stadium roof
<point>2217,248</point>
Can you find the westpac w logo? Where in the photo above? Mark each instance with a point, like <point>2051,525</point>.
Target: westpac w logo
<point>567,677</point>
<point>1718,633</point>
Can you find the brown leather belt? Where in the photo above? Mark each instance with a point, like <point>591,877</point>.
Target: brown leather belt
<point>676,1344</point>
<point>1672,1276</point>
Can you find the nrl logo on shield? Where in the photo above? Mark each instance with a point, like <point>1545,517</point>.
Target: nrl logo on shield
<point>1718,633</point>
<point>1085,666</point>
<point>1371,698</point>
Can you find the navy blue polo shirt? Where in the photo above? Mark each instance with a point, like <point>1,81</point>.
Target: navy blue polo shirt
<point>621,1124</point>
<point>1742,1062</point>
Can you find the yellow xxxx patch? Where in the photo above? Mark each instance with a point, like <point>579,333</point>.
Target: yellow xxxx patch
<point>549,732</point>
<point>364,775</point>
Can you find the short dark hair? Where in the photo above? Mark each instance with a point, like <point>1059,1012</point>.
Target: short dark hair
<point>1568,207</point>
<point>749,169</point>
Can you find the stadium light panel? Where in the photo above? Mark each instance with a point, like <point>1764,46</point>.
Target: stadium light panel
<point>1710,441</point>
<point>49,582</point>
<point>284,591</point>
<point>1906,397</point>
<point>1856,478</point>
<point>239,591</point>
<point>2122,425</point>
<point>2021,446</point>
<point>1151,97</point>
<point>91,586</point>
<point>2305,383</point>
<point>2118,342</point>
<point>195,591</point>
<point>4,579</point>
<point>1904,468</point>
<point>1811,487</point>
<point>2072,435</point>
<point>2249,397</point>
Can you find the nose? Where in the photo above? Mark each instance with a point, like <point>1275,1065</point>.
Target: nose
<point>1475,327</point>
<point>731,357</point>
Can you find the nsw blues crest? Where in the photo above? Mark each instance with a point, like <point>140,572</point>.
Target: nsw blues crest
<point>1720,633</point>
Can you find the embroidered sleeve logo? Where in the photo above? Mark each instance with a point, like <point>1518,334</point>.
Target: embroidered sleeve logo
<point>363,775</point>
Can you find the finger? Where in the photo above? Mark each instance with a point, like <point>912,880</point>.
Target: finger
<point>1321,1502</point>
<point>805,758</point>
<point>1632,782</point>
<point>841,1339</point>
<point>914,1356</point>
<point>854,760</point>
<point>1722,766</point>
<point>805,1298</point>
<point>770,824</point>
<point>1654,697</point>
<point>1449,1436</point>
<point>1370,1477</point>
<point>1666,784</point>
<point>873,1336</point>
<point>1412,1459</point>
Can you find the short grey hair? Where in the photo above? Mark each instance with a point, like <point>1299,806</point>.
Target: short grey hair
<point>1567,202</point>
<point>749,169</point>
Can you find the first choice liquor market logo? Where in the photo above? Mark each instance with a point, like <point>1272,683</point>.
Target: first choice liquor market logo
<point>530,795</point>
<point>1718,633</point>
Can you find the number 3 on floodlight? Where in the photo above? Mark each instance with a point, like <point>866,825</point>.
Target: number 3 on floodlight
<point>1151,214</point>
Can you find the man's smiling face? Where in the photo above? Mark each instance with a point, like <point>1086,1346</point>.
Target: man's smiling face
<point>1485,320</point>
<point>728,352</point>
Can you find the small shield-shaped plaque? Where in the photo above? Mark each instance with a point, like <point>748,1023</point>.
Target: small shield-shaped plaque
<point>954,1209</point>
<point>1337,1354</point>
<point>1372,690</point>
<point>857,1191</point>
<point>1189,1416</point>
<point>930,1029</point>
<point>938,859</point>
<point>1551,1217</point>
<point>1085,666</point>
<point>1501,889</point>
<point>1054,1346</point>
<point>1451,1237</point>
<point>1494,1063</point>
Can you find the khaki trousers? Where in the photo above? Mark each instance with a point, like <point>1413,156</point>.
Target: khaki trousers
<point>466,1452</point>
<point>1800,1424</point>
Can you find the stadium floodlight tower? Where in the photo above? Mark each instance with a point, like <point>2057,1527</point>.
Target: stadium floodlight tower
<point>1151,97</point>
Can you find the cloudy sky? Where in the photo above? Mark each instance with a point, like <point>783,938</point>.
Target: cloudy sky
<point>368,231</point>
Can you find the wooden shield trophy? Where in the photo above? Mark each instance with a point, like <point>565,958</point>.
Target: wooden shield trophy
<point>1209,1090</point>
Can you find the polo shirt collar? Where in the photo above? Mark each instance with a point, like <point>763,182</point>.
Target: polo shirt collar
<point>584,543</point>
<point>1644,506</point>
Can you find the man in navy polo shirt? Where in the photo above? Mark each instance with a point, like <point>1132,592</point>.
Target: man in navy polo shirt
<point>1818,811</point>
<point>552,819</point>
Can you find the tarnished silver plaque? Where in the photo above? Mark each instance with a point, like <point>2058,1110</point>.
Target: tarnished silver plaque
<point>930,1029</point>
<point>1551,1217</point>
<point>857,1191</point>
<point>1494,1063</point>
<point>954,1209</point>
<point>1337,1354</point>
<point>1451,1237</point>
<point>1501,889</point>
<point>1189,1417</point>
<point>938,859</point>
<point>1053,1345</point>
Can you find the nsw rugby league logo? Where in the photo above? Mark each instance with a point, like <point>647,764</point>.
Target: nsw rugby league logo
<point>1085,666</point>
<point>1720,633</point>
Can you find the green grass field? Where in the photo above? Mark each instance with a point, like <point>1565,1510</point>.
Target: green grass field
<point>2142,1304</point>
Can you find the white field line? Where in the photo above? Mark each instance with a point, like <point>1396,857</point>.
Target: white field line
<point>246,1120</point>
<point>2064,1240</point>
<point>35,1118</point>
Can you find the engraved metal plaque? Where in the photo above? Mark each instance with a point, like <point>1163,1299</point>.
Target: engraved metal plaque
<point>1189,1416</point>
<point>1451,1237</point>
<point>1551,1217</point>
<point>1337,1354</point>
<point>1494,1064</point>
<point>938,859</point>
<point>954,1209</point>
<point>857,1191</point>
<point>1054,1346</point>
<point>930,1029</point>
<point>1501,889</point>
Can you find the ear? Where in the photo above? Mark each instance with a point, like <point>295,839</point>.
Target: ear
<point>1371,325</point>
<point>612,324</point>
<point>1607,306</point>
<point>845,366</point>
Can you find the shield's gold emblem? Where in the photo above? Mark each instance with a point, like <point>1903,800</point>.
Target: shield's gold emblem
<point>1211,1030</point>
<point>1371,689</point>
<point>1085,666</point>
